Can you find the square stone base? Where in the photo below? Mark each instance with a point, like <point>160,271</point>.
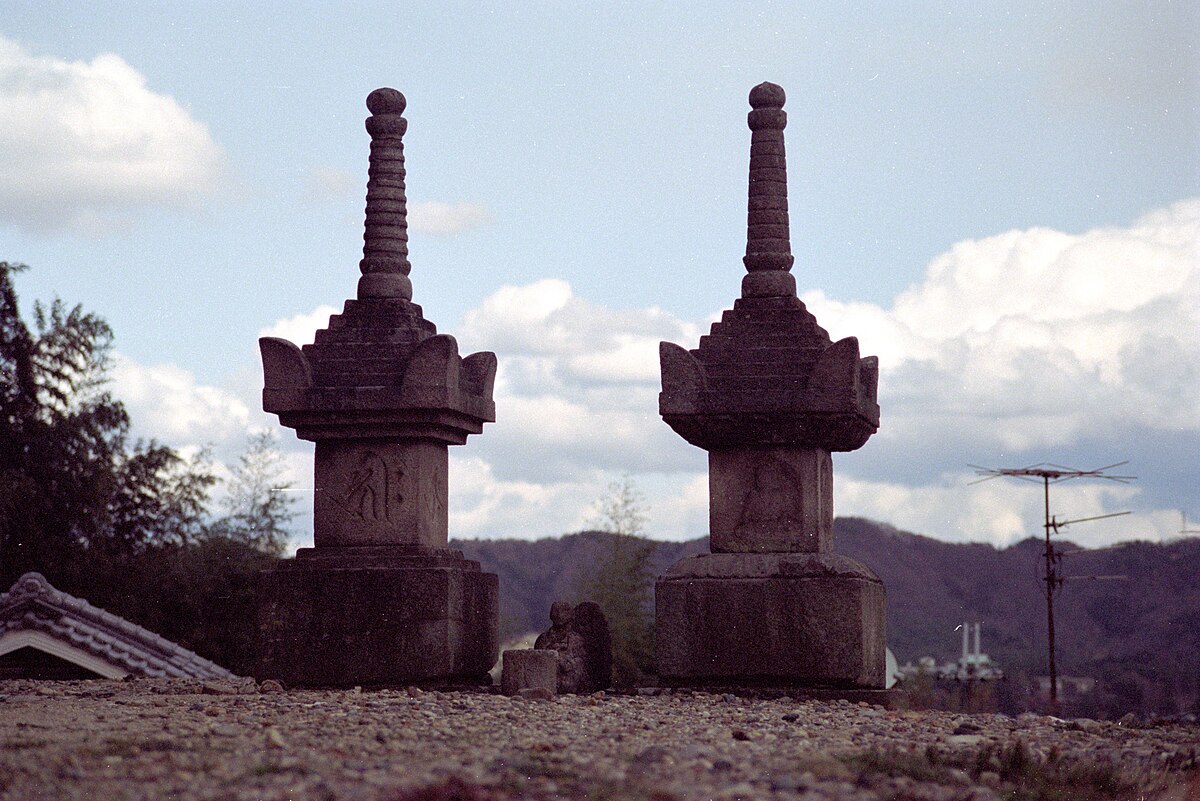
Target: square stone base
<point>377,617</point>
<point>802,620</point>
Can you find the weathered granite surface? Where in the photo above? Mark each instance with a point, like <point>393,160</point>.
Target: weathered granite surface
<point>380,599</point>
<point>776,619</point>
<point>767,374</point>
<point>770,396</point>
<point>770,499</point>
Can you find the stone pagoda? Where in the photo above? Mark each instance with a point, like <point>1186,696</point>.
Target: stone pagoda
<point>769,395</point>
<point>381,599</point>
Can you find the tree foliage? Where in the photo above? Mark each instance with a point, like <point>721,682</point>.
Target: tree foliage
<point>259,508</point>
<point>123,524</point>
<point>72,486</point>
<point>622,582</point>
<point>63,436</point>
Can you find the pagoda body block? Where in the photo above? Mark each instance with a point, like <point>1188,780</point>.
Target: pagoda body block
<point>381,599</point>
<point>770,396</point>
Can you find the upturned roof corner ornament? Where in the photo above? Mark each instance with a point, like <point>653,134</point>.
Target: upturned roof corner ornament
<point>767,373</point>
<point>380,369</point>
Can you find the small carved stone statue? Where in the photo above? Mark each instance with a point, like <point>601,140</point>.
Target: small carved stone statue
<point>580,636</point>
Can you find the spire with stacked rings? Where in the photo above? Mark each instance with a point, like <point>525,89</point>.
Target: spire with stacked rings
<point>385,264</point>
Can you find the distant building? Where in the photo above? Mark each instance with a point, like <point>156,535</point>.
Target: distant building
<point>1068,686</point>
<point>48,634</point>
<point>974,664</point>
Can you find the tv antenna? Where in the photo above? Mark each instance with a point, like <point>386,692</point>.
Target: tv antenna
<point>1046,474</point>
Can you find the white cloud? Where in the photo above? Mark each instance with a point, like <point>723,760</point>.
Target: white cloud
<point>1041,338</point>
<point>86,145</point>
<point>576,396</point>
<point>483,505</point>
<point>545,318</point>
<point>1016,346</point>
<point>302,328</point>
<point>1004,511</point>
<point>165,403</point>
<point>442,219</point>
<point>577,384</point>
<point>1024,347</point>
<point>678,506</point>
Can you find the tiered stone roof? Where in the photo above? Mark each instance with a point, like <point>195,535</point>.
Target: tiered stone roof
<point>380,369</point>
<point>767,373</point>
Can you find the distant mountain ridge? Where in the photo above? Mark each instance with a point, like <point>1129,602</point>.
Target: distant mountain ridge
<point>1147,626</point>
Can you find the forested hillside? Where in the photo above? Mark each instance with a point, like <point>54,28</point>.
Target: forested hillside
<point>1140,636</point>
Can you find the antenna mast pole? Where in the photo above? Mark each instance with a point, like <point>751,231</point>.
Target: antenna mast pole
<point>1052,582</point>
<point>1052,473</point>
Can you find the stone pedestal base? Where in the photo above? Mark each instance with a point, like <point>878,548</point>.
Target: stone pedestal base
<point>377,616</point>
<point>802,620</point>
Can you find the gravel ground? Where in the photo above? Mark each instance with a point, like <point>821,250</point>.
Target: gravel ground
<point>178,739</point>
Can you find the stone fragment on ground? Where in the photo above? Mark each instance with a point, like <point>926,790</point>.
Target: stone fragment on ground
<point>580,636</point>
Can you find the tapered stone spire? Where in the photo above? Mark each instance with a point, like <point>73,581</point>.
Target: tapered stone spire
<point>385,265</point>
<point>768,242</point>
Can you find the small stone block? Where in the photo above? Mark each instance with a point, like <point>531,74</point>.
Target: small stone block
<point>526,669</point>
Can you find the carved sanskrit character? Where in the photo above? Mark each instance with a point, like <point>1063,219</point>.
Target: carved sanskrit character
<point>368,495</point>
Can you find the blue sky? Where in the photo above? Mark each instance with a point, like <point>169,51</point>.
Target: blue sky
<point>1003,203</point>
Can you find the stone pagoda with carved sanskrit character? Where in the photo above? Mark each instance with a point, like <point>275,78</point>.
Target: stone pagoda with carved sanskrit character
<point>380,599</point>
<point>770,396</point>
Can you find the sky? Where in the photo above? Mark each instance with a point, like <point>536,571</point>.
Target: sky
<point>1001,201</point>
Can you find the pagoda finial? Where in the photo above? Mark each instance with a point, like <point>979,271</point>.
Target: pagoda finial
<point>385,263</point>
<point>768,243</point>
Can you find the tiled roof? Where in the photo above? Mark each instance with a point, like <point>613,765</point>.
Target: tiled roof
<point>33,605</point>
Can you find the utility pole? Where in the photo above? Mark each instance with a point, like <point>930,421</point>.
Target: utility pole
<point>1052,584</point>
<point>1052,474</point>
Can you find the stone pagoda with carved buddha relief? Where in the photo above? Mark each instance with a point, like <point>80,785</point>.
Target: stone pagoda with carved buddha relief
<point>770,396</point>
<point>380,599</point>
